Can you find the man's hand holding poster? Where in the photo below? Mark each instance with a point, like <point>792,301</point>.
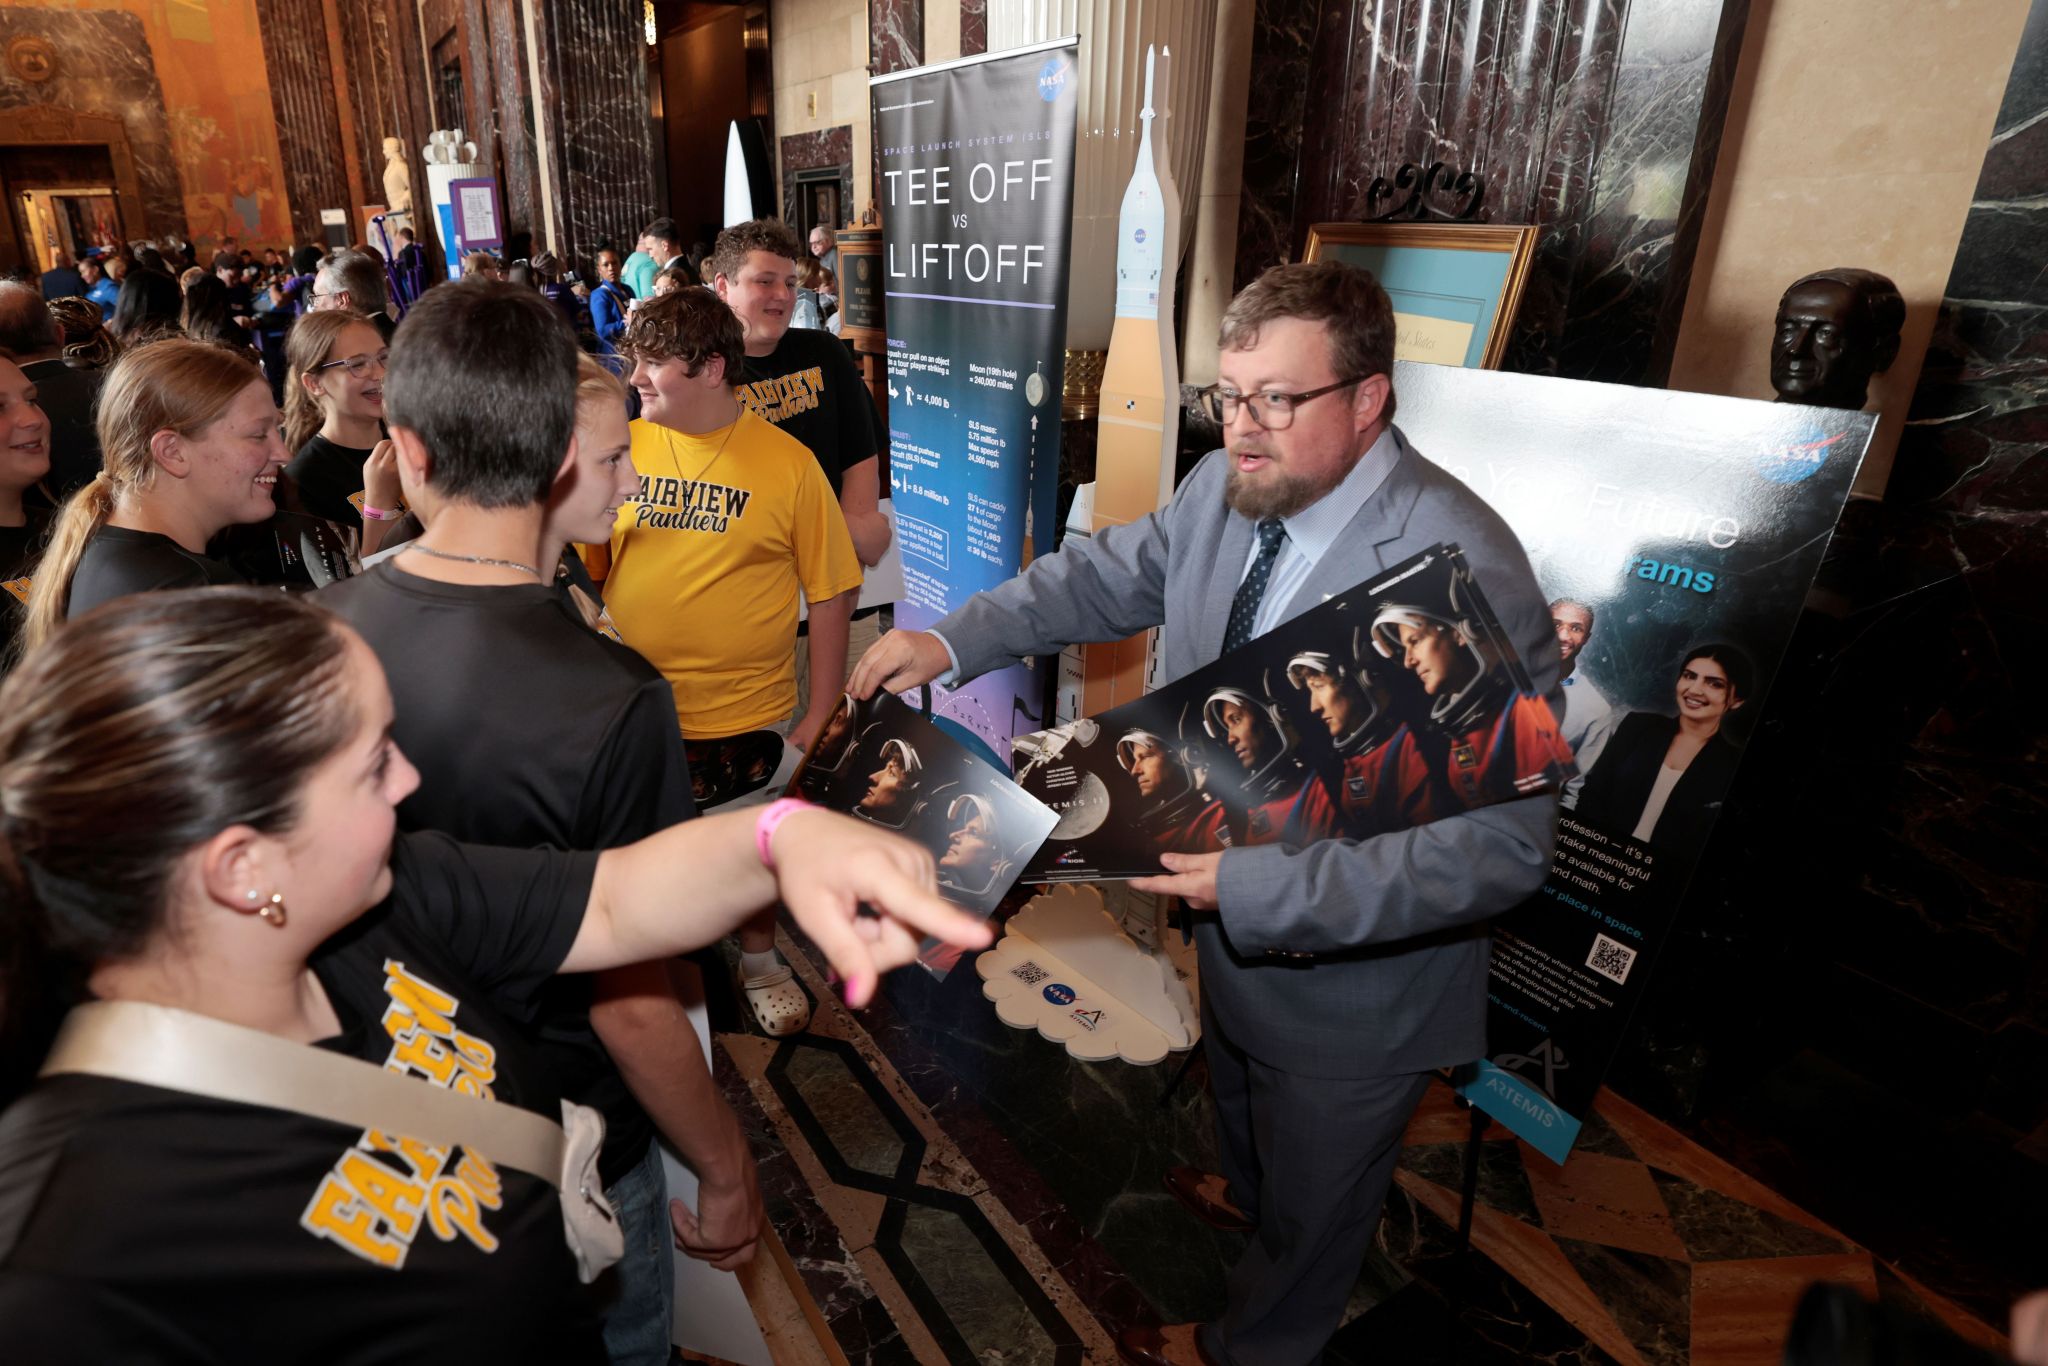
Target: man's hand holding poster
<point>1389,706</point>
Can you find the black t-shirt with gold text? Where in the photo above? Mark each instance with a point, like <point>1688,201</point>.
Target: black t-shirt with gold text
<point>145,1224</point>
<point>809,386</point>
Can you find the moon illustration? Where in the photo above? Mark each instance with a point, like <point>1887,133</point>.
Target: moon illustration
<point>1083,812</point>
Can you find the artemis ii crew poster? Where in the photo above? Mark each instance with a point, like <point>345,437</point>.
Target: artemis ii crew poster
<point>977,185</point>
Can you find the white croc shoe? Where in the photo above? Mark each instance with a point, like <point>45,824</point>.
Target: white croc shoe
<point>778,1003</point>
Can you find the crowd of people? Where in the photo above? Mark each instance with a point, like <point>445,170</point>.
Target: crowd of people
<point>241,298</point>
<point>442,812</point>
<point>503,523</point>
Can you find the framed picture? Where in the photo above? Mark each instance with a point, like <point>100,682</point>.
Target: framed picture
<point>1455,286</point>
<point>475,203</point>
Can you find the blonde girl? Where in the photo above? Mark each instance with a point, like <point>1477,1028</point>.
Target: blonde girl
<point>189,447</point>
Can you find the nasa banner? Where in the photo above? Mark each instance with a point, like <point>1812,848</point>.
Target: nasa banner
<point>1676,536</point>
<point>1393,705</point>
<point>977,177</point>
<point>881,762</point>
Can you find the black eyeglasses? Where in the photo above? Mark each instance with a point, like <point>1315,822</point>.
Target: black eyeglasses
<point>358,365</point>
<point>1272,411</point>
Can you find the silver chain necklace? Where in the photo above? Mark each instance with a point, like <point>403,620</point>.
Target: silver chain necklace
<point>474,559</point>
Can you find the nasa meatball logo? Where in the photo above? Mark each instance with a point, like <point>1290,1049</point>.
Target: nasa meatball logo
<point>1060,994</point>
<point>1052,79</point>
<point>1798,460</point>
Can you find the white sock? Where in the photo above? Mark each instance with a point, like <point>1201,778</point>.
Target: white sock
<point>757,965</point>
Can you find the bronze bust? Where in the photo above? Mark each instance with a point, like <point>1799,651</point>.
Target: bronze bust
<point>1836,328</point>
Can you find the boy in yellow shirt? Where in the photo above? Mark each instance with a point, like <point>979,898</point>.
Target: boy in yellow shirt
<point>703,569</point>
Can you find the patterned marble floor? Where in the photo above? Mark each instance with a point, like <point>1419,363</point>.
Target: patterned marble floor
<point>950,1190</point>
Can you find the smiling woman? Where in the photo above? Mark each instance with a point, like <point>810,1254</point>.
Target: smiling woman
<point>1661,778</point>
<point>334,422</point>
<point>24,460</point>
<point>191,446</point>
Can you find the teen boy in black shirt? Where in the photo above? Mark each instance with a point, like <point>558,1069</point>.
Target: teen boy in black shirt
<point>531,728</point>
<point>801,379</point>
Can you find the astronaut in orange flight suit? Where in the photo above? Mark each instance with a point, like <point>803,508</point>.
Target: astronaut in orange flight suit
<point>1256,731</point>
<point>1486,740</point>
<point>1384,782</point>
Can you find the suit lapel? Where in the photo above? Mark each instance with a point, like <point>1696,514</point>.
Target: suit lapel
<point>1362,550</point>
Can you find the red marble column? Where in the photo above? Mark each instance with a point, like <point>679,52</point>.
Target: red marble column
<point>309,132</point>
<point>895,35</point>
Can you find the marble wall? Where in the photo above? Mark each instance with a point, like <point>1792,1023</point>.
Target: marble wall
<point>587,123</point>
<point>383,80</point>
<point>594,87</point>
<point>819,70</point>
<point>512,108</point>
<point>104,67</point>
<point>942,31</point>
<point>895,35</point>
<point>190,88</point>
<point>828,147</point>
<point>973,27</point>
<point>1854,1004</point>
<point>302,94</point>
<point>1809,180</point>
<point>1599,122</point>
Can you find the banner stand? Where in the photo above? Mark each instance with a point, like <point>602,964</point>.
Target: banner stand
<point>975,163</point>
<point>1468,1189</point>
<point>1179,1074</point>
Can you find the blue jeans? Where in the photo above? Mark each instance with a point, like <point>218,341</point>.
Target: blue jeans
<point>637,1297</point>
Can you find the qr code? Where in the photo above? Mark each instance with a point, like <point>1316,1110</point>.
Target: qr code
<point>1030,974</point>
<point>1611,960</point>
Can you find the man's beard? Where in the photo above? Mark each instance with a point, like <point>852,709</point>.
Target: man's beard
<point>1279,494</point>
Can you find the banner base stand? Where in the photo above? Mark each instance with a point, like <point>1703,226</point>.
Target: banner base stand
<point>1416,1325</point>
<point>1065,967</point>
<point>1420,1324</point>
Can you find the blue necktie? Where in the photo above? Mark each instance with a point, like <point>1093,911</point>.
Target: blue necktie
<point>1244,608</point>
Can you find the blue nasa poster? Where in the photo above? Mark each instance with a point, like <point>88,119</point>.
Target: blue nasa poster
<point>976,183</point>
<point>1675,536</point>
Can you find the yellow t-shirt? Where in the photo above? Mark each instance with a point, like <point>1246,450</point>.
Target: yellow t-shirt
<point>703,567</point>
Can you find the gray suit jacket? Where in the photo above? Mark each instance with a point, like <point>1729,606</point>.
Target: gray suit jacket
<point>1396,924</point>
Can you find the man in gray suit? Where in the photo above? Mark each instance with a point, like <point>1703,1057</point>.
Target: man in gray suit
<point>1335,976</point>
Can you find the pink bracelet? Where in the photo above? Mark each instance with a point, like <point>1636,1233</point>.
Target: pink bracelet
<point>380,514</point>
<point>773,815</point>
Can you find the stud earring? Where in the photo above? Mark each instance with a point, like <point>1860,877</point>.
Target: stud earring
<point>254,895</point>
<point>274,912</point>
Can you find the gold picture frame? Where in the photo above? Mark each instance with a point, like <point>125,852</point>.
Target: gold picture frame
<point>1461,282</point>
